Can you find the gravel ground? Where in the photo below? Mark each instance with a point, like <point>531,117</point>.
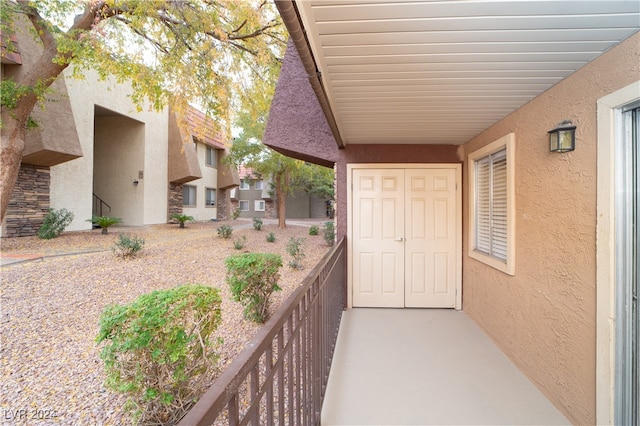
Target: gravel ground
<point>51,372</point>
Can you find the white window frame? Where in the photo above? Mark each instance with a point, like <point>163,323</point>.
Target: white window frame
<point>244,184</point>
<point>211,157</point>
<point>259,185</point>
<point>195,196</point>
<point>246,202</point>
<point>508,143</point>
<point>206,198</point>
<point>259,205</point>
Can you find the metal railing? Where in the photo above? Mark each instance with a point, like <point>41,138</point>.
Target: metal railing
<point>281,376</point>
<point>98,206</point>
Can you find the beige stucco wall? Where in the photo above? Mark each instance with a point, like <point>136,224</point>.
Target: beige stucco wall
<point>118,157</point>
<point>544,317</point>
<point>209,180</point>
<point>72,182</point>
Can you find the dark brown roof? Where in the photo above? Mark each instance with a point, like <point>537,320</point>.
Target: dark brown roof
<point>12,55</point>
<point>204,129</point>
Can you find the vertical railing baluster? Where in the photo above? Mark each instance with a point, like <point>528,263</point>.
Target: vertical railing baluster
<point>234,410</point>
<point>291,380</point>
<point>298,365</point>
<point>255,386</point>
<point>281,387</point>
<point>304,303</point>
<point>269,384</point>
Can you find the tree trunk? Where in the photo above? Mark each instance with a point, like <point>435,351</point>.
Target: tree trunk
<point>41,74</point>
<point>13,143</point>
<point>282,200</point>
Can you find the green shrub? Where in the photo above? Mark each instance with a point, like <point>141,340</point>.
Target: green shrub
<point>295,247</point>
<point>225,231</point>
<point>235,214</point>
<point>252,278</point>
<point>240,243</point>
<point>104,222</point>
<point>159,352</point>
<point>127,246</point>
<point>329,233</point>
<point>182,218</point>
<point>54,223</point>
<point>313,230</point>
<point>271,238</point>
<point>257,223</point>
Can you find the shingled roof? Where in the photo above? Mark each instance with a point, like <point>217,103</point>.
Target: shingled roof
<point>204,128</point>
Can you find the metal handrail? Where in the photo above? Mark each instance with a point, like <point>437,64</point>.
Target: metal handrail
<point>98,204</point>
<point>281,375</point>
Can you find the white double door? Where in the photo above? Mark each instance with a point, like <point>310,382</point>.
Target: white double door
<point>406,236</point>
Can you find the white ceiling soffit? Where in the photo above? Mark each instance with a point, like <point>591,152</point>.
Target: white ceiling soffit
<point>443,71</point>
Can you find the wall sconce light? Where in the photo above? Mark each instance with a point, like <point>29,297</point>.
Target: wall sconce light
<point>135,182</point>
<point>563,137</point>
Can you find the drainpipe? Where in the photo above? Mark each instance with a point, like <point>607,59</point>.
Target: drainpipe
<point>291,19</point>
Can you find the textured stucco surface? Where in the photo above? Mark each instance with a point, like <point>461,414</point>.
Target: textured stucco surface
<point>118,156</point>
<point>55,140</point>
<point>182,159</point>
<point>72,182</point>
<point>544,317</point>
<point>209,180</point>
<point>296,125</point>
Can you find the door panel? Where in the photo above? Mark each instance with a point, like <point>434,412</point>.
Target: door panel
<point>430,245</point>
<point>378,220</point>
<point>404,237</point>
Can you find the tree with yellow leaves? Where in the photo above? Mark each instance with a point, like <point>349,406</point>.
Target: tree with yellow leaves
<point>174,52</point>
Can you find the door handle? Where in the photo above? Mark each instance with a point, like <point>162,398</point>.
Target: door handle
<point>400,239</point>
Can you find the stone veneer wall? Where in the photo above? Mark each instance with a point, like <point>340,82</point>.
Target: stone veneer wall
<point>224,201</point>
<point>270,210</point>
<point>175,199</point>
<point>29,202</point>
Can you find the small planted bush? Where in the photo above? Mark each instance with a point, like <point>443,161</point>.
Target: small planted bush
<point>160,352</point>
<point>271,237</point>
<point>225,231</point>
<point>127,246</point>
<point>104,222</point>
<point>257,223</point>
<point>252,278</point>
<point>181,218</point>
<point>54,223</point>
<point>235,214</point>
<point>314,230</point>
<point>329,233</point>
<point>295,248</point>
<point>240,243</point>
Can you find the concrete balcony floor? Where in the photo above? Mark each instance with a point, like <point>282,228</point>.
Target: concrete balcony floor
<point>425,367</point>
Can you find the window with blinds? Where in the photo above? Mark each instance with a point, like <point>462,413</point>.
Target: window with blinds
<point>491,205</point>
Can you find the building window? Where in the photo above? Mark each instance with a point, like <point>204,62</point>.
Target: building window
<point>259,205</point>
<point>211,157</point>
<point>260,185</point>
<point>189,195</point>
<point>244,184</point>
<point>244,205</point>
<point>492,204</point>
<point>210,197</point>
